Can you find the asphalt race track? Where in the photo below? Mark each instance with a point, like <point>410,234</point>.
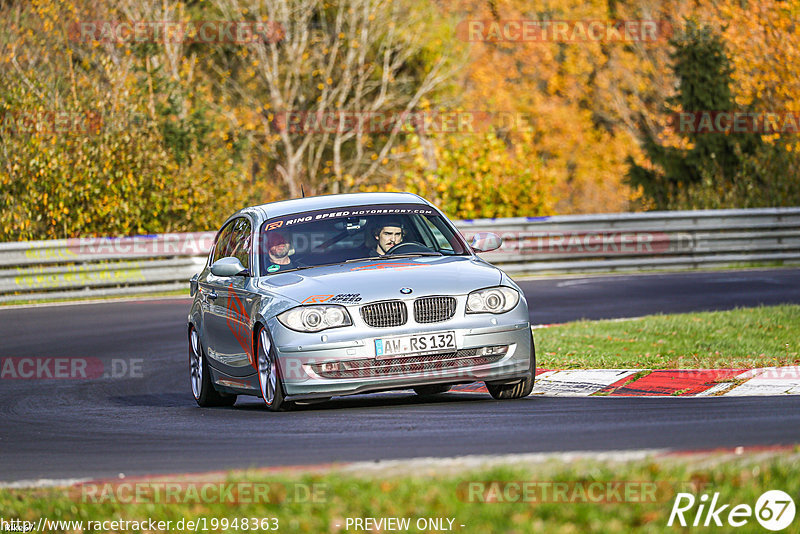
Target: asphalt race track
<point>607,297</point>
<point>145,420</point>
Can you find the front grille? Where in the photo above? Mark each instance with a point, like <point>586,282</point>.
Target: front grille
<point>404,365</point>
<point>385,314</point>
<point>434,309</point>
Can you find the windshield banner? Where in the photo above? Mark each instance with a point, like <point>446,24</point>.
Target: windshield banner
<point>355,211</point>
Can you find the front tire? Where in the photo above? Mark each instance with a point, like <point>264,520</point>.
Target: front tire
<point>268,373</point>
<point>519,389</point>
<point>203,390</point>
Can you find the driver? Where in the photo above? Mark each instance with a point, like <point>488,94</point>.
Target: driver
<point>386,235</point>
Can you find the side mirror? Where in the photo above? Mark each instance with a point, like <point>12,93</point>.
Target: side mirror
<point>228,266</point>
<point>485,242</point>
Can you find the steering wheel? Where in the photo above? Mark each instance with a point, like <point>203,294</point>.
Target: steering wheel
<point>412,247</point>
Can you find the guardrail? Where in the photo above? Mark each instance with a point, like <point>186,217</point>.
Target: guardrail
<point>89,267</point>
<point>642,241</point>
<point>101,266</point>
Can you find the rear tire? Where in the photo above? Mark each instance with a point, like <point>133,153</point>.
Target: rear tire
<point>200,376</point>
<point>428,391</point>
<point>519,389</point>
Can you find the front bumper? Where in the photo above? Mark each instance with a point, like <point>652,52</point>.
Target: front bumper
<point>489,348</point>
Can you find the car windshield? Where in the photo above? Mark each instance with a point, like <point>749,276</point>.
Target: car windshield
<point>348,234</point>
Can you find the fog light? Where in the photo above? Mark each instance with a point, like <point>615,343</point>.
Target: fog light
<point>329,367</point>
<point>493,351</point>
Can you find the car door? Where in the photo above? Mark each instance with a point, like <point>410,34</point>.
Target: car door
<point>213,300</point>
<point>228,321</point>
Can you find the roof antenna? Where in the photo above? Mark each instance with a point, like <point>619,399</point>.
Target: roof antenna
<point>303,193</point>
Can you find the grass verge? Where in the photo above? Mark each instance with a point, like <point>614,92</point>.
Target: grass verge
<point>561,496</point>
<point>741,338</point>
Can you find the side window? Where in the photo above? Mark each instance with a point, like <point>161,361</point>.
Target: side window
<point>441,240</point>
<point>240,243</point>
<point>222,242</point>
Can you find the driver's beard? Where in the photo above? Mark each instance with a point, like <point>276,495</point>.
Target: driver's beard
<point>280,259</point>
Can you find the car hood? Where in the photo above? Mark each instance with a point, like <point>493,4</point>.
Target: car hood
<point>372,280</point>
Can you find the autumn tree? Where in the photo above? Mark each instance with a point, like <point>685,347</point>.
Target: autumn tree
<point>475,175</point>
<point>316,89</point>
<point>709,168</point>
<point>172,134</point>
<point>140,151</point>
<point>701,66</point>
<point>579,98</point>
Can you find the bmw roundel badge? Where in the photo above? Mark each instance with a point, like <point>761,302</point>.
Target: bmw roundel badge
<point>405,291</point>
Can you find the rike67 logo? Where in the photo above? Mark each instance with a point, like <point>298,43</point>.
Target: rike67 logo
<point>774,510</point>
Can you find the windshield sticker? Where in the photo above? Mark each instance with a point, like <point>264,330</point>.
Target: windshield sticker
<point>272,268</point>
<point>399,209</point>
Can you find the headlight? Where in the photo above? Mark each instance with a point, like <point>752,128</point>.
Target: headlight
<point>315,318</point>
<point>492,300</point>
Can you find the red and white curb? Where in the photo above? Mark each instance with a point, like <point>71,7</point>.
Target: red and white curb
<point>661,382</point>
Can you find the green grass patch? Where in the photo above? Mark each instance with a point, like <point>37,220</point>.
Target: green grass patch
<point>741,338</point>
<point>481,500</point>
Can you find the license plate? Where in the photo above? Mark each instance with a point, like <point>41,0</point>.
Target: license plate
<point>417,344</point>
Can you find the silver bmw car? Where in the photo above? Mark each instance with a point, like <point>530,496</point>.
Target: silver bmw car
<point>302,300</point>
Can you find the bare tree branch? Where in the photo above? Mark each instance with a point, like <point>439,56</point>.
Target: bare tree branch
<point>336,65</point>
